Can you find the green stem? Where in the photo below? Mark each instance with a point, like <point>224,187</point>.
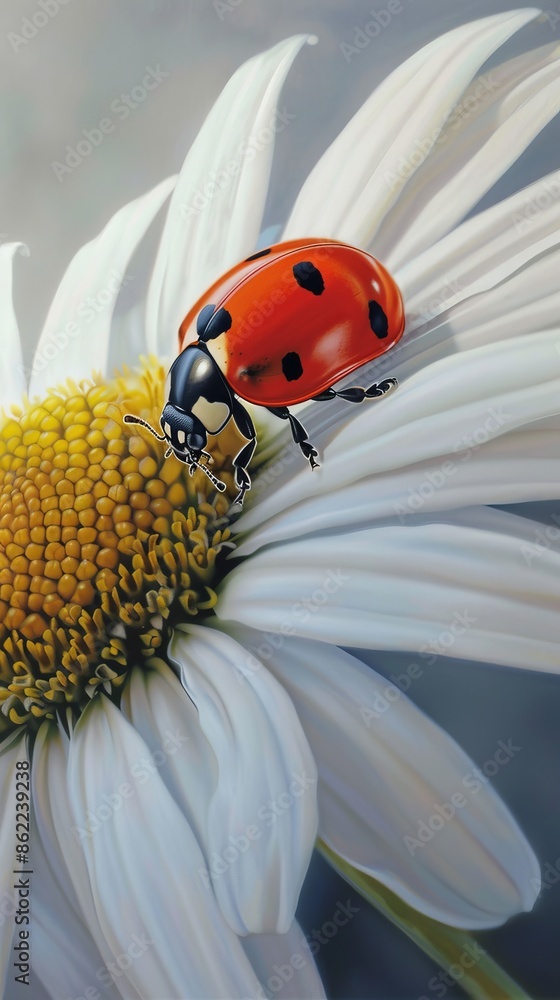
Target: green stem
<point>484,980</point>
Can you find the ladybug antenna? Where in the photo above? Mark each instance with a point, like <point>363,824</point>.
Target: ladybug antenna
<point>129,418</point>
<point>215,482</point>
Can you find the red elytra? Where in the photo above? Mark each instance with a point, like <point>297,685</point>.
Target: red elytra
<point>304,314</point>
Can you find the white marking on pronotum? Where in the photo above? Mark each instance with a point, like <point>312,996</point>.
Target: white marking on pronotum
<point>212,416</point>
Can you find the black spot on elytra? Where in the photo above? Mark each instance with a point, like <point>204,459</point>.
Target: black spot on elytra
<point>203,319</point>
<point>292,367</point>
<point>259,253</point>
<point>253,371</point>
<point>378,320</point>
<point>309,277</point>
<point>218,324</point>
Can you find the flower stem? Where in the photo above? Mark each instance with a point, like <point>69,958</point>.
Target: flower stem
<point>484,980</point>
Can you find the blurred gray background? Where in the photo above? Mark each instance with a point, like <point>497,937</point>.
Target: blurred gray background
<point>63,80</point>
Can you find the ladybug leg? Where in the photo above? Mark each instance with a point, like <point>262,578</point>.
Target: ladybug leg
<point>357,394</point>
<point>381,388</point>
<point>327,394</point>
<point>246,427</point>
<point>299,433</point>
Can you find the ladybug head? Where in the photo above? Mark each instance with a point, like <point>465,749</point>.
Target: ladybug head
<point>183,432</point>
<point>198,403</point>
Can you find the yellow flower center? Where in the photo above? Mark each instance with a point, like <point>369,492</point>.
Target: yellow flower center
<point>103,543</point>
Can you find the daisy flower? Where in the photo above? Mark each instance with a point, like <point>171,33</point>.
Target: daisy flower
<point>175,678</point>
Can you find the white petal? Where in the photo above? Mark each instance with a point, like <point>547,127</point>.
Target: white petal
<point>64,957</point>
<point>61,839</point>
<point>13,383</point>
<point>163,714</point>
<point>128,337</point>
<point>204,235</point>
<point>498,117</point>
<point>411,103</point>
<point>287,959</point>
<point>144,867</point>
<point>484,252</point>
<point>11,753</point>
<point>462,430</point>
<point>75,338</point>
<point>487,574</point>
<point>265,799</point>
<point>525,303</point>
<point>519,467</point>
<point>384,768</point>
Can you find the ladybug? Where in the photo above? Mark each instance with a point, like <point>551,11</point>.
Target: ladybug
<point>277,329</point>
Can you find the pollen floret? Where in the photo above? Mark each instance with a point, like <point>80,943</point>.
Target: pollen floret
<point>102,542</point>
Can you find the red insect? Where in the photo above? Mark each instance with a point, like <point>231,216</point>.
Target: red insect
<point>278,329</point>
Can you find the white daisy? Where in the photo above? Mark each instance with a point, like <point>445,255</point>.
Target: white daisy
<point>174,818</point>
